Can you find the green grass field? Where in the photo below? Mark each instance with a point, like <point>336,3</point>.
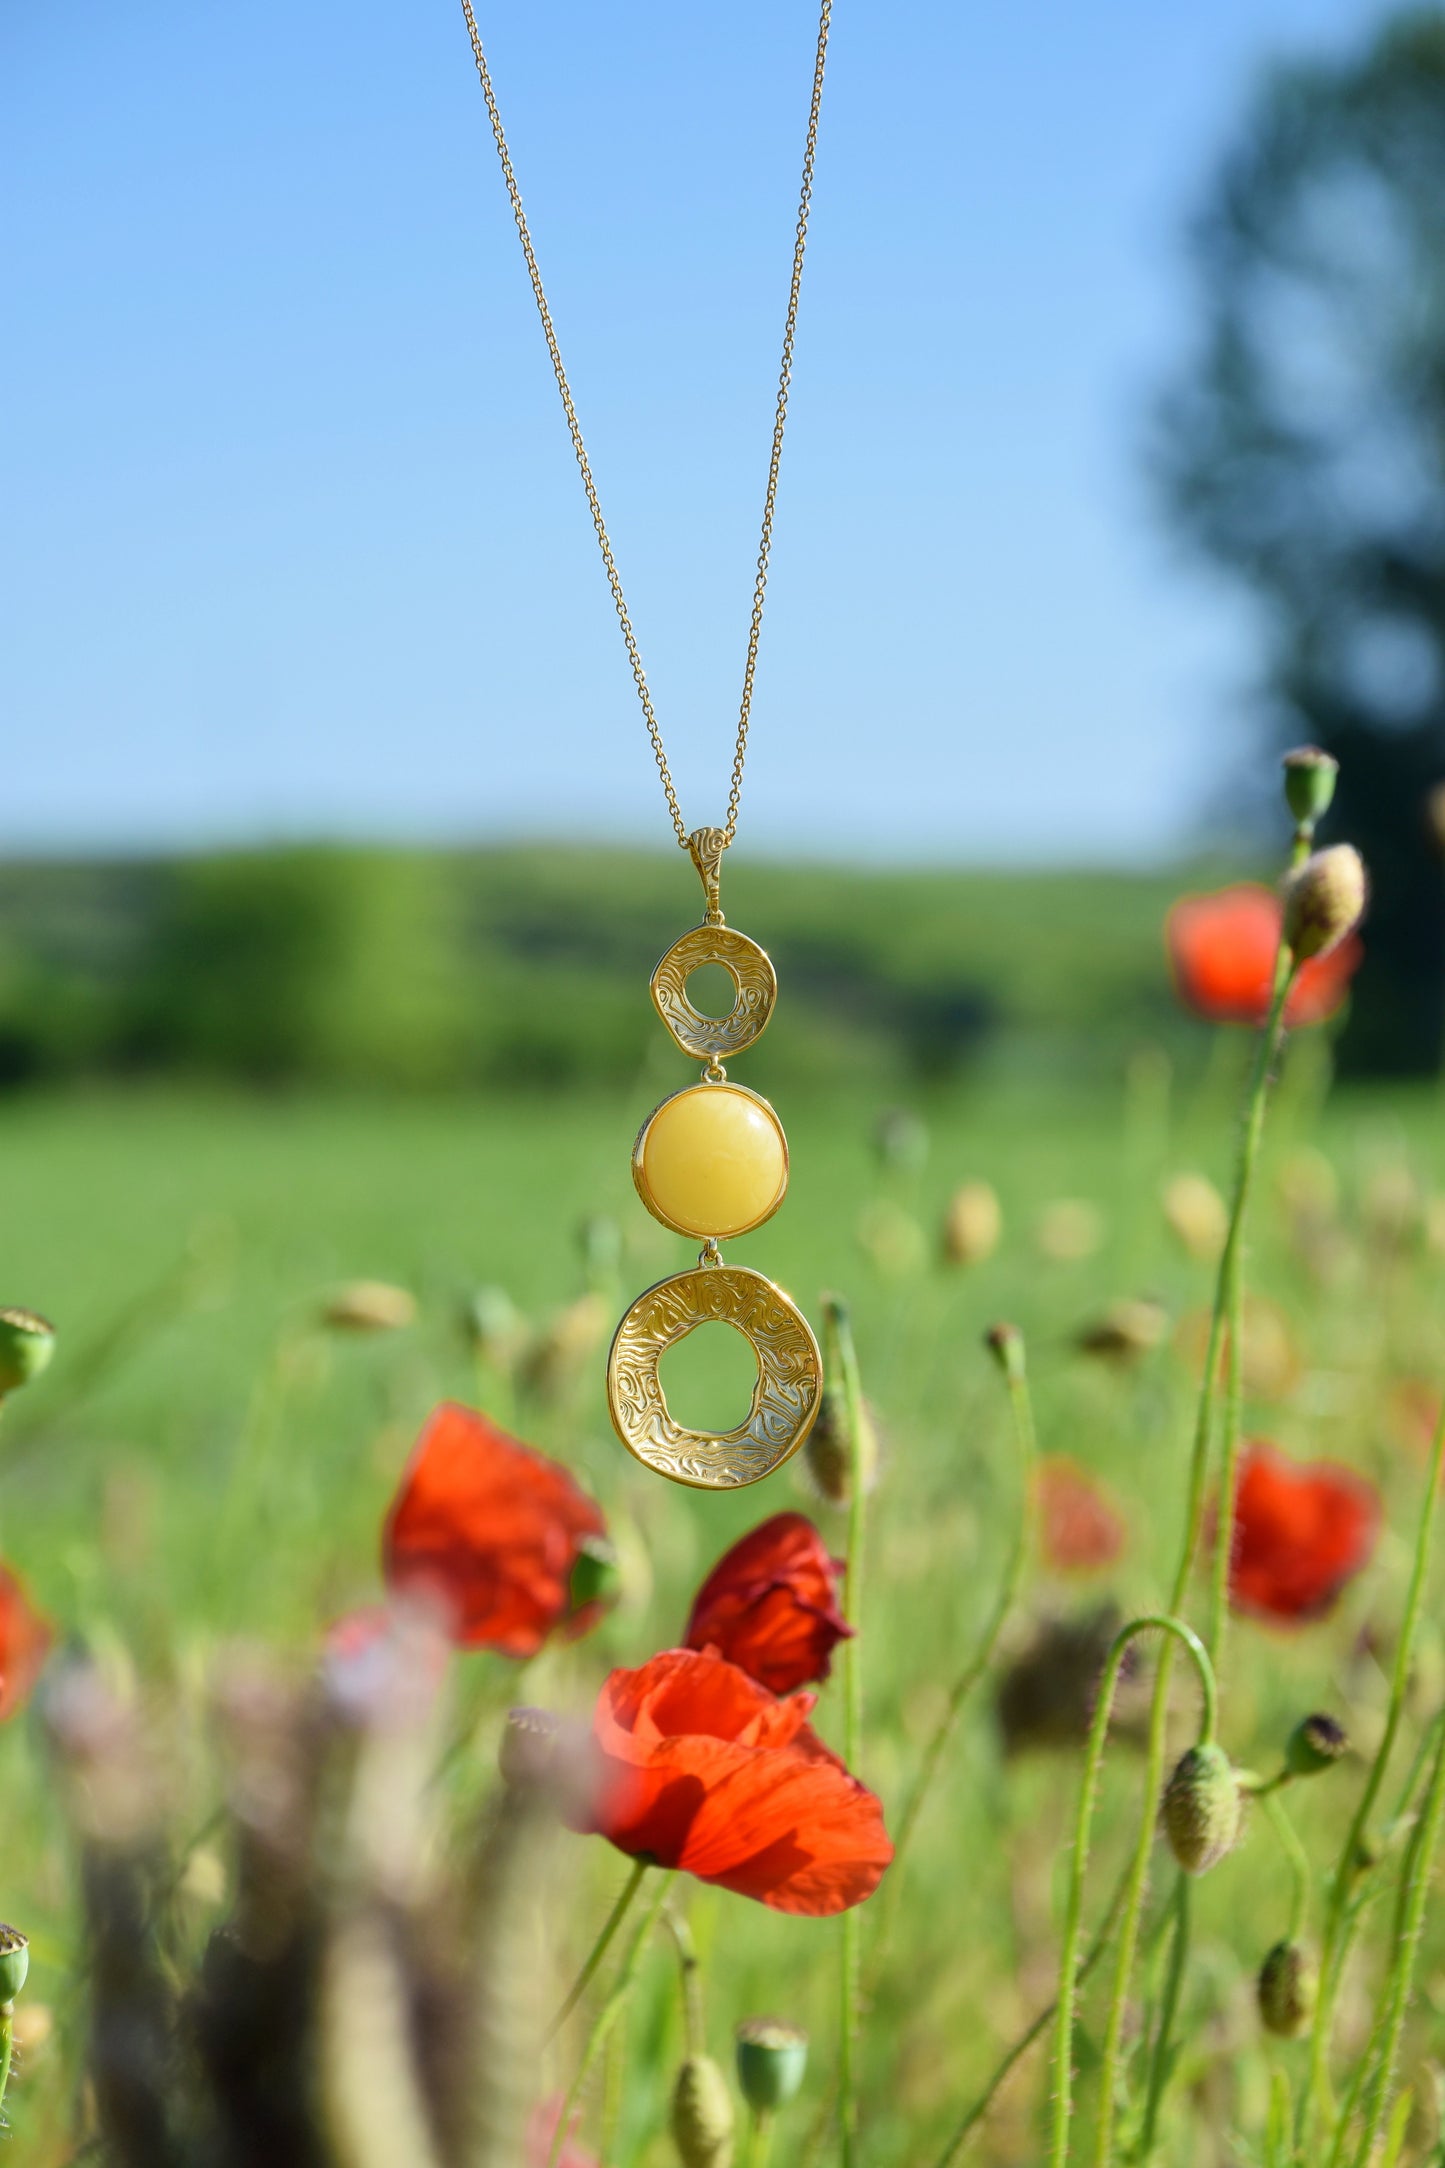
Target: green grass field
<point>201,1463</point>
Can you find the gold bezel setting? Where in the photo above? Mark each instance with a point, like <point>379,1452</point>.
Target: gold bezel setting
<point>639,1170</point>
<point>786,1397</point>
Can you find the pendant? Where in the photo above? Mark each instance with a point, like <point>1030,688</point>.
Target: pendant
<point>712,1162</point>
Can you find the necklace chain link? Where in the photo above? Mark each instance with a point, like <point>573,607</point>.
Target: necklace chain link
<point>584,465</point>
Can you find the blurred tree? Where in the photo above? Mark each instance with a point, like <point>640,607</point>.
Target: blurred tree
<point>1305,452</point>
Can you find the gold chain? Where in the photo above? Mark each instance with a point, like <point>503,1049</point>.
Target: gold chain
<point>800,241</point>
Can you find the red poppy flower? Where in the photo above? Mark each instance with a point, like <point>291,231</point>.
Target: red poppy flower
<point>25,1642</point>
<point>1079,1527</point>
<point>699,1767</point>
<point>770,1605</point>
<point>1223,946</point>
<point>1300,1533</point>
<point>492,1531</point>
<point>542,2132</point>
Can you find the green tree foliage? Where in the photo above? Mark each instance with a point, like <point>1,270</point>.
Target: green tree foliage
<point>1305,452</point>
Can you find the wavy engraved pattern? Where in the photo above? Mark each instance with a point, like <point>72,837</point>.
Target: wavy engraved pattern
<point>785,1398</point>
<point>714,1038</point>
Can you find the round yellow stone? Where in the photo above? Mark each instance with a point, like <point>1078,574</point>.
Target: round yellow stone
<point>712,1161</point>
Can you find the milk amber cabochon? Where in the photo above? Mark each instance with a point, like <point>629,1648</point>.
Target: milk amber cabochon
<point>712,1161</point>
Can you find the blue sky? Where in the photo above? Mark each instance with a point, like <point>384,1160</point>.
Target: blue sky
<point>293,543</point>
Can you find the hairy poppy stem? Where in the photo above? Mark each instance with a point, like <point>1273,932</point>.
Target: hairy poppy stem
<point>690,1982</point>
<point>842,1360</point>
<point>1035,2031</point>
<point>607,2016</point>
<point>1161,2053</point>
<point>1093,1759</point>
<point>1352,1856</point>
<point>1381,2055</point>
<point>1231,1271</point>
<point>598,1950</point>
<point>1227,1282</point>
<point>760,2139</point>
<point>1295,1853</point>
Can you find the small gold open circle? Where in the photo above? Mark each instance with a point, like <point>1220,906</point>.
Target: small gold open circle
<point>715,1038</point>
<point>785,1399</point>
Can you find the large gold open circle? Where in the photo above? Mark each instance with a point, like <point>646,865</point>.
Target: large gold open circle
<point>715,1038</point>
<point>785,1399</point>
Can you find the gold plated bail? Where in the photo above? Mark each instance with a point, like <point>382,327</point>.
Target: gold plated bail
<point>707,846</point>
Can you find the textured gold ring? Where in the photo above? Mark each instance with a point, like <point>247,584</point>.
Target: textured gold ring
<point>785,1398</point>
<point>715,1038</point>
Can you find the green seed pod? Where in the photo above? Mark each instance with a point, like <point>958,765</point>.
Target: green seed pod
<point>27,1342</point>
<point>1287,1986</point>
<point>1324,899</point>
<point>772,2058</point>
<point>596,1576</point>
<point>1309,783</point>
<point>1316,1743</point>
<point>14,1962</point>
<point>1202,1809</point>
<point>702,2115</point>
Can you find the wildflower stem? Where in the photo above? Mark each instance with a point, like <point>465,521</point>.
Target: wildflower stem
<point>1232,1286</point>
<point>1159,2059</point>
<point>691,1982</point>
<point>598,1950</point>
<point>760,2139</point>
<point>607,2016</point>
<point>1348,1868</point>
<point>1227,1278</point>
<point>1040,2025</point>
<point>842,1358</point>
<point>1415,1877</point>
<point>1294,1852</point>
<point>1093,1759</point>
<point>1016,1378</point>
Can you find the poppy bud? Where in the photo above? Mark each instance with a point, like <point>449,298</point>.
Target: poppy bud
<point>1127,1330</point>
<point>702,2115</point>
<point>1287,1986</point>
<point>596,1576</point>
<point>1324,899</point>
<point>369,1306</point>
<point>1315,1743</point>
<point>1202,1809</point>
<point>1309,783</point>
<point>27,1342</point>
<point>826,1454</point>
<point>1006,1345</point>
<point>772,2058</point>
<point>972,1224</point>
<point>14,1963</point>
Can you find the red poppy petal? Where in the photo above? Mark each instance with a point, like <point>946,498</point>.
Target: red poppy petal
<point>489,1526</point>
<point>770,1605</point>
<point>1301,1534</point>
<point>26,1640</point>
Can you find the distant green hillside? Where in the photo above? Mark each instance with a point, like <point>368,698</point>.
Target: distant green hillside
<point>530,965</point>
